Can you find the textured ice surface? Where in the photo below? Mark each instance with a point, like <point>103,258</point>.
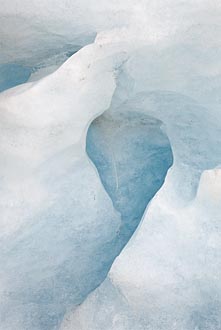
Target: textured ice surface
<point>155,68</point>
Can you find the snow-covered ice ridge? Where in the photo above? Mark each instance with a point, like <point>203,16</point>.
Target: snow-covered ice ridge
<point>109,114</point>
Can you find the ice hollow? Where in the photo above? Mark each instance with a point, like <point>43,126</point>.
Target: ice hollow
<point>132,155</point>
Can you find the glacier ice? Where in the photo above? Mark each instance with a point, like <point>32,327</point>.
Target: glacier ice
<point>85,149</point>
<point>132,155</point>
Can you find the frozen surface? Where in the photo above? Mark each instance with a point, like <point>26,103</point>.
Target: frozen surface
<point>84,148</point>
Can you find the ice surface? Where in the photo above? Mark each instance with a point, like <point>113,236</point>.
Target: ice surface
<point>70,201</point>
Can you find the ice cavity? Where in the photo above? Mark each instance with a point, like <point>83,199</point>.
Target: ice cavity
<point>132,155</point>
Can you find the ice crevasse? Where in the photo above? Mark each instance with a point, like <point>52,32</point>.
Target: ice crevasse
<point>127,128</point>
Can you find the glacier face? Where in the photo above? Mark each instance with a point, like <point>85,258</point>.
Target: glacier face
<point>75,181</point>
